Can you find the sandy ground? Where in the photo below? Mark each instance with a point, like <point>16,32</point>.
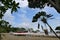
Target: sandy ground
<point>8,36</point>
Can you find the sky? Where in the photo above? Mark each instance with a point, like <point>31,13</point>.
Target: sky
<point>23,17</point>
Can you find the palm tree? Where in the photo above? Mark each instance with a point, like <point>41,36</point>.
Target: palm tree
<point>43,17</point>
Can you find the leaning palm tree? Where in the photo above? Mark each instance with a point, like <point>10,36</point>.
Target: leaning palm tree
<point>43,17</point>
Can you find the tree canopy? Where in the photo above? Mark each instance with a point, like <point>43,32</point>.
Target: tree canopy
<point>4,26</point>
<point>57,28</point>
<point>7,4</point>
<point>4,6</point>
<point>41,4</point>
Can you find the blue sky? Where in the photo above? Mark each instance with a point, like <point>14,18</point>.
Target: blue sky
<point>23,17</point>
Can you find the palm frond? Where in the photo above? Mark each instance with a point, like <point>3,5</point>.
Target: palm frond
<point>49,15</point>
<point>44,16</point>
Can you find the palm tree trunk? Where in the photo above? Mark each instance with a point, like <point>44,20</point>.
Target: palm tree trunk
<point>53,31</point>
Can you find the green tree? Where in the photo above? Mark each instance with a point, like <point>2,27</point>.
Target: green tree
<point>57,28</point>
<point>14,29</point>
<point>41,4</point>
<point>22,29</point>
<point>7,4</point>
<point>43,17</point>
<point>4,6</point>
<point>4,26</point>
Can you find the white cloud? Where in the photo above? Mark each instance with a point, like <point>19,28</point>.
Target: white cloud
<point>26,22</point>
<point>22,3</point>
<point>23,10</point>
<point>28,25</point>
<point>9,17</point>
<point>23,15</point>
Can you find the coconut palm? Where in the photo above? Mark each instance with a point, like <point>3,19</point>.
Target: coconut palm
<point>43,17</point>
